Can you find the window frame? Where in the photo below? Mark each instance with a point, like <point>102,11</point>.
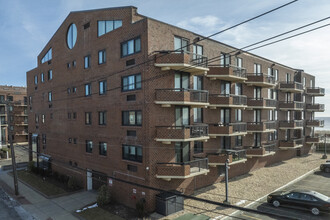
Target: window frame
<point>88,89</point>
<point>103,116</point>
<point>128,119</point>
<point>135,82</point>
<point>88,118</point>
<point>101,151</point>
<point>89,148</point>
<point>132,157</point>
<point>88,59</point>
<point>103,55</point>
<point>104,87</point>
<point>135,51</point>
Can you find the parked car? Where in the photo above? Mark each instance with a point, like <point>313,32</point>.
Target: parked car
<point>305,199</point>
<point>325,167</point>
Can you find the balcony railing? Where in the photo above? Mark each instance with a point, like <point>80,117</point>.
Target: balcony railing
<point>168,134</point>
<point>315,123</point>
<point>312,140</point>
<point>182,60</point>
<point>291,86</point>
<point>292,124</point>
<point>228,72</point>
<point>227,100</point>
<point>261,151</point>
<point>3,123</point>
<point>291,144</point>
<point>168,97</point>
<point>168,171</point>
<point>233,156</point>
<point>315,107</point>
<point>291,105</point>
<point>260,79</point>
<point>230,129</point>
<point>261,103</point>
<point>315,91</point>
<point>266,126</point>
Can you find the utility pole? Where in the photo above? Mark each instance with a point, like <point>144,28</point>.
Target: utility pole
<point>226,176</point>
<point>325,147</point>
<point>13,159</point>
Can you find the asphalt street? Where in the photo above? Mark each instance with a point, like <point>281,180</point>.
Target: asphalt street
<point>317,181</point>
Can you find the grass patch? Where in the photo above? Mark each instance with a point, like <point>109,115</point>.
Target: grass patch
<point>98,214</point>
<point>37,182</point>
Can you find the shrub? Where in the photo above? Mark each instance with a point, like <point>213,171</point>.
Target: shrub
<point>73,183</point>
<point>56,175</point>
<point>63,178</point>
<point>104,197</point>
<point>30,166</point>
<point>140,207</point>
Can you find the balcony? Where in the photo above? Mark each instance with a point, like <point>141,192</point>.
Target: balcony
<point>168,171</point>
<point>22,124</point>
<point>296,106</point>
<point>190,97</point>
<point>267,126</point>
<point>262,151</point>
<point>231,129</point>
<point>315,91</point>
<point>293,124</point>
<point>312,140</point>
<point>261,103</point>
<point>291,87</point>
<point>228,101</point>
<point>168,134</point>
<point>260,79</point>
<point>234,157</point>
<point>315,107</point>
<point>186,62</point>
<point>4,123</point>
<point>291,144</point>
<point>228,73</point>
<point>315,123</point>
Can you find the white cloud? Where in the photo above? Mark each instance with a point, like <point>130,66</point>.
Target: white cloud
<point>204,25</point>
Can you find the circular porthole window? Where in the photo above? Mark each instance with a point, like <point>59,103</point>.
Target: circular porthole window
<point>71,36</point>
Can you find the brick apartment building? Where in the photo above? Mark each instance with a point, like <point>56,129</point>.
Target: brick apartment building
<point>110,96</point>
<point>19,115</point>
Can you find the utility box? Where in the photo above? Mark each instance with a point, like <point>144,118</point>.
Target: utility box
<point>168,203</point>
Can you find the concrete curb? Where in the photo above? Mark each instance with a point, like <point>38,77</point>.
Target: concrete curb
<point>261,198</point>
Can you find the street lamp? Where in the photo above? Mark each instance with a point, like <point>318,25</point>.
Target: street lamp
<point>325,147</point>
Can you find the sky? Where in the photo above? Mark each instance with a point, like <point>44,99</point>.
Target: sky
<point>27,26</point>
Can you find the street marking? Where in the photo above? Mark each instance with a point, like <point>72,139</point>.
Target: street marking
<point>241,202</point>
<point>251,217</point>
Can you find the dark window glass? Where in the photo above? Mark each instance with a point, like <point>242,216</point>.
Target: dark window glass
<point>130,47</point>
<point>238,141</point>
<point>69,115</point>
<point>133,153</point>
<point>198,147</point>
<point>132,118</point>
<point>131,82</point>
<point>103,148</point>
<point>89,146</point>
<point>87,25</point>
<point>102,118</point>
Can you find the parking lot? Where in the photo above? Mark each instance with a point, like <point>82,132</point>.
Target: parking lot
<point>317,181</point>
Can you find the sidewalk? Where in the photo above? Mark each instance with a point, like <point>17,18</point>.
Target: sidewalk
<point>43,208</point>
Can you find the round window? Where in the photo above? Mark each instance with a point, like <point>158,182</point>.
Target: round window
<point>71,37</point>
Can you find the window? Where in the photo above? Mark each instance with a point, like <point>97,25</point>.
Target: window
<point>224,59</point>
<point>198,115</point>
<point>43,119</point>
<point>43,138</point>
<point>182,116</point>
<point>238,115</point>
<point>10,98</point>
<point>257,93</point>
<point>181,80</point>
<point>89,146</point>
<point>47,57</point>
<point>238,89</point>
<point>131,82</point>
<point>87,25</point>
<point>102,87</point>
<point>270,136</point>
<point>74,89</point>
<point>257,69</point>
<point>198,54</point>
<point>104,27</point>
<point>225,142</point>
<point>69,115</point>
<point>75,140</point>
<point>88,118</point>
<point>68,90</point>
<point>271,115</point>
<point>132,118</point>
<point>102,56</point>
<point>42,77</point>
<point>239,62</point>
<point>181,45</point>
<point>70,140</point>
<point>103,148</point>
<point>276,74</point>
<point>50,74</point>
<point>88,89</point>
<point>288,77</point>
<point>36,117</point>
<point>71,36</point>
<point>225,116</point>
<point>133,153</point>
<point>68,65</point>
<point>36,80</point>
<point>294,196</point>
<point>275,115</point>
<point>74,115</point>
<point>238,141</point>
<point>257,115</point>
<point>103,118</point>
<point>87,61</point>
<point>50,96</point>
<point>131,47</point>
<point>198,147</point>
<point>275,135</point>
<point>225,87</point>
<point>257,139</point>
<point>74,63</point>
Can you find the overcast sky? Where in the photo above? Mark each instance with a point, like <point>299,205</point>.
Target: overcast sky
<point>26,26</point>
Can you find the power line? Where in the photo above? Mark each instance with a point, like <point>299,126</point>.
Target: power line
<point>179,49</point>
